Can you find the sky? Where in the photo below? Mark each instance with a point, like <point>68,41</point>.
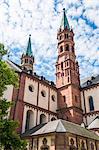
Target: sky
<point>41,19</point>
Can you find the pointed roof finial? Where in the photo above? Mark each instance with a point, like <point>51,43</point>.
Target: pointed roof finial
<point>29,48</point>
<point>64,22</point>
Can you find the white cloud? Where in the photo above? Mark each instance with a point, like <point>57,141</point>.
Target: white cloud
<point>19,18</point>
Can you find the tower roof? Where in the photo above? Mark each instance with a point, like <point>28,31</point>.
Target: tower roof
<point>29,48</point>
<point>64,22</point>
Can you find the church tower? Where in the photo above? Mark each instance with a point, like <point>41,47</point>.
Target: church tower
<point>27,59</point>
<point>67,75</point>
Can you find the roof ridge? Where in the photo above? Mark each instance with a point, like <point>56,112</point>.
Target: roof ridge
<point>59,122</point>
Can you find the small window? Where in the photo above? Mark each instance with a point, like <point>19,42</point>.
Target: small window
<point>76,98</point>
<point>68,72</point>
<point>53,118</point>
<point>26,60</point>
<point>31,88</point>
<point>60,37</point>
<point>53,98</point>
<point>92,146</point>
<point>67,47</point>
<point>61,65</point>
<point>91,103</point>
<point>43,93</point>
<point>62,74</point>
<point>68,79</point>
<point>31,62</point>
<point>61,48</point>
<point>66,36</point>
<point>64,98</point>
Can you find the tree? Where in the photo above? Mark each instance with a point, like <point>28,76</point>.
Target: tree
<point>9,139</point>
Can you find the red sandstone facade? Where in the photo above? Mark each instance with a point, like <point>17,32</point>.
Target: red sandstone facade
<point>67,78</point>
<point>67,91</point>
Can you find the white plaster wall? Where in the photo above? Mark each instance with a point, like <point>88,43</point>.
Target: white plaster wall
<point>26,108</point>
<point>43,101</point>
<point>90,118</point>
<point>8,93</point>
<point>53,104</point>
<point>30,97</point>
<point>94,92</point>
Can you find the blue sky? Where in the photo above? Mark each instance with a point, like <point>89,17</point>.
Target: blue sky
<point>41,19</point>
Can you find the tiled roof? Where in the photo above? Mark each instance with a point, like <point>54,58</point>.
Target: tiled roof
<point>90,82</point>
<point>63,127</point>
<point>32,130</point>
<point>14,66</point>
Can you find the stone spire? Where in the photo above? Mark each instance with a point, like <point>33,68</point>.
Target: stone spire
<point>27,59</point>
<point>64,22</point>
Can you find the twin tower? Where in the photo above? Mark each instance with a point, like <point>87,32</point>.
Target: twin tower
<point>67,73</point>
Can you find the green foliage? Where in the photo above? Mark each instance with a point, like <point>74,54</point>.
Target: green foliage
<point>2,50</point>
<point>7,77</point>
<point>9,139</point>
<point>8,135</point>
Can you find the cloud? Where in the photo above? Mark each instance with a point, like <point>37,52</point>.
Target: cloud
<point>41,19</point>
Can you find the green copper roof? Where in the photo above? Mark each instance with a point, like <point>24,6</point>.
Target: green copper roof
<point>29,48</point>
<point>64,22</point>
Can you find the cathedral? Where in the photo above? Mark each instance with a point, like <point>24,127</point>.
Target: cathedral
<point>43,107</point>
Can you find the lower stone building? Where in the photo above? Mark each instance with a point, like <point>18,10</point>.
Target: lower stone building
<point>61,135</point>
<point>90,103</point>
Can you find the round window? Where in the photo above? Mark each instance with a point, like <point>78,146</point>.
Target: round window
<point>43,93</point>
<point>53,97</point>
<point>31,88</point>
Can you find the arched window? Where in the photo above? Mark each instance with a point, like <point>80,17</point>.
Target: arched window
<point>67,47</point>
<point>29,120</point>
<point>53,118</point>
<point>31,62</point>
<point>42,118</point>
<point>83,147</point>
<point>68,79</point>
<point>26,60</point>
<point>91,103</point>
<point>72,144</point>
<point>64,98</point>
<point>61,65</point>
<point>66,36</point>
<point>61,48</point>
<point>92,146</point>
